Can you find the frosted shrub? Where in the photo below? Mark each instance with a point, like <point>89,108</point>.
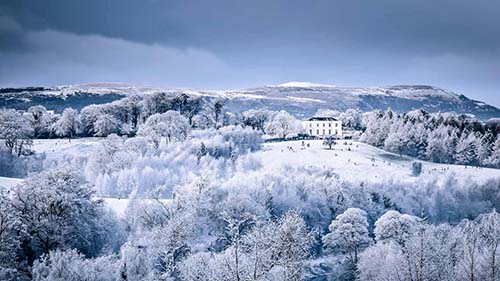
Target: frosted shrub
<point>416,168</point>
<point>70,265</point>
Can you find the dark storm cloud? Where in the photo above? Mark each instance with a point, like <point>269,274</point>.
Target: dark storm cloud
<point>453,44</point>
<point>438,25</point>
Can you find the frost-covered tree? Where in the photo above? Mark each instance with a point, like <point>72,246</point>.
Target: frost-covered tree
<point>16,132</point>
<point>382,261</point>
<point>494,158</point>
<point>170,125</point>
<point>218,113</point>
<point>156,254</point>
<point>233,234</point>
<point>288,248</point>
<point>204,266</point>
<point>71,265</point>
<point>329,141</point>
<point>282,124</point>
<point>441,145</point>
<point>40,120</point>
<point>256,118</point>
<point>377,127</point>
<point>68,124</point>
<point>466,149</point>
<point>57,211</point>
<point>133,104</point>
<point>348,233</point>
<point>394,226</point>
<point>105,125</point>
<point>204,119</point>
<point>416,168</point>
<point>489,226</point>
<point>110,156</point>
<point>484,147</point>
<point>352,118</point>
<point>429,253</point>
<point>88,117</point>
<point>470,259</point>
<point>275,250</point>
<point>397,141</point>
<point>11,231</point>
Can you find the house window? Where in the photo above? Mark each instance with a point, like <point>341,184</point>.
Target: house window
<point>329,124</point>
<point>310,132</point>
<point>323,124</point>
<point>317,124</point>
<point>323,131</point>
<point>336,124</point>
<point>310,125</point>
<point>329,131</point>
<point>336,132</point>
<point>317,132</point>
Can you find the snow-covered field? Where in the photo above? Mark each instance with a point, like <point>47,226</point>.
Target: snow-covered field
<point>361,162</point>
<point>56,148</point>
<point>9,182</point>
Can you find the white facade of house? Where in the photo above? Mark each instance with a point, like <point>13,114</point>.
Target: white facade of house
<point>322,127</point>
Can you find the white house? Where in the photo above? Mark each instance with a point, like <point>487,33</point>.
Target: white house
<point>322,127</point>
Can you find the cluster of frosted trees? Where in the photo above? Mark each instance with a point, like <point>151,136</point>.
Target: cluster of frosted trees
<point>407,248</point>
<point>160,118</point>
<point>201,209</point>
<point>53,210</point>
<point>156,115</point>
<point>122,117</point>
<point>443,138</point>
<point>123,167</point>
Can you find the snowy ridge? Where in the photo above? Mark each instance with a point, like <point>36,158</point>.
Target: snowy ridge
<point>302,99</point>
<point>304,85</point>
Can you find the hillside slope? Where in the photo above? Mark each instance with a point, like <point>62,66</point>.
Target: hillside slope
<point>299,98</point>
<point>304,99</point>
<point>360,162</point>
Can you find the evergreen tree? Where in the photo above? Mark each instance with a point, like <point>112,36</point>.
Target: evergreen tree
<point>466,150</point>
<point>494,159</point>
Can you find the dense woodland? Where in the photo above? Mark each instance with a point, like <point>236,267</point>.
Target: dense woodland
<point>440,137</point>
<point>201,209</point>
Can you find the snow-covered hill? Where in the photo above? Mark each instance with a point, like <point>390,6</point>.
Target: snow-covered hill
<point>302,99</point>
<point>360,162</point>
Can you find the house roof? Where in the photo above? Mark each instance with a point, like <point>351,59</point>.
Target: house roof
<point>317,118</point>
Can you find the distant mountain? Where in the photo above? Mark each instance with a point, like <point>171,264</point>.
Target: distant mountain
<point>304,99</point>
<point>299,98</point>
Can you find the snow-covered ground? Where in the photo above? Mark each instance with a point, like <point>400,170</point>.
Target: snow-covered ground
<point>55,148</point>
<point>9,182</point>
<point>361,162</point>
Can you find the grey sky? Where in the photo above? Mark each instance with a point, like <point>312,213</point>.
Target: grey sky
<point>226,44</point>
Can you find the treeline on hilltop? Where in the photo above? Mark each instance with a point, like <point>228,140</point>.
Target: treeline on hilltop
<point>157,116</point>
